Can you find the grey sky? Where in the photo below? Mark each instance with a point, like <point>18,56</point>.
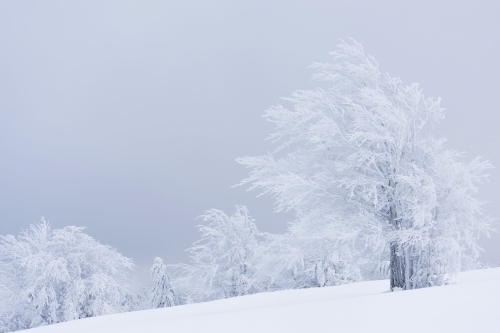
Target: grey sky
<point>126,116</point>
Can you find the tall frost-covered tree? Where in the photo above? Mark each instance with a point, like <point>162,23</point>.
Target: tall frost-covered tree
<point>162,294</point>
<point>221,261</point>
<point>54,275</point>
<point>357,162</point>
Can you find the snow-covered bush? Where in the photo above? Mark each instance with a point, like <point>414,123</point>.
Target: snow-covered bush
<point>54,275</point>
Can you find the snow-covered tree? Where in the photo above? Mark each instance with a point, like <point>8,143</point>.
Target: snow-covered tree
<point>358,166</point>
<point>221,261</point>
<point>54,275</point>
<point>162,294</point>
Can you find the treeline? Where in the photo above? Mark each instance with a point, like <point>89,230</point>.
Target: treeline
<point>49,276</point>
<point>233,258</point>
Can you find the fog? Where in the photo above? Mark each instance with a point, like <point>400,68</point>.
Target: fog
<point>126,116</point>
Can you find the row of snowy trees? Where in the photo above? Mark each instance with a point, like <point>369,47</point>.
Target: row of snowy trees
<point>49,276</point>
<point>233,258</point>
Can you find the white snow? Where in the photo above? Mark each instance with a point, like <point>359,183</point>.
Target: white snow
<point>470,305</point>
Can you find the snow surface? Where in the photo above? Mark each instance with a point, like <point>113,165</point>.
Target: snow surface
<point>470,305</point>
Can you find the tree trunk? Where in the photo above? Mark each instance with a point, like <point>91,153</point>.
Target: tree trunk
<point>397,267</point>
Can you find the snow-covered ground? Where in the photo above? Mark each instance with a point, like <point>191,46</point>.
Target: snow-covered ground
<point>470,305</point>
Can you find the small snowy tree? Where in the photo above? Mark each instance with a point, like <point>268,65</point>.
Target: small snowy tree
<point>221,261</point>
<point>362,169</point>
<point>54,275</point>
<point>162,294</point>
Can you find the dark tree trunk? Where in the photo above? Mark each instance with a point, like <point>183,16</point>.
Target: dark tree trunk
<point>397,267</point>
<point>397,260</point>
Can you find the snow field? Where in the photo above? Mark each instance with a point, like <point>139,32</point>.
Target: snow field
<point>470,305</point>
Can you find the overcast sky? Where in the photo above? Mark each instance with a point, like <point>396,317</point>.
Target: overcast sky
<point>126,116</point>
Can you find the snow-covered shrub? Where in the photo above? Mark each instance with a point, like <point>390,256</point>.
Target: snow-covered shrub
<point>54,275</point>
